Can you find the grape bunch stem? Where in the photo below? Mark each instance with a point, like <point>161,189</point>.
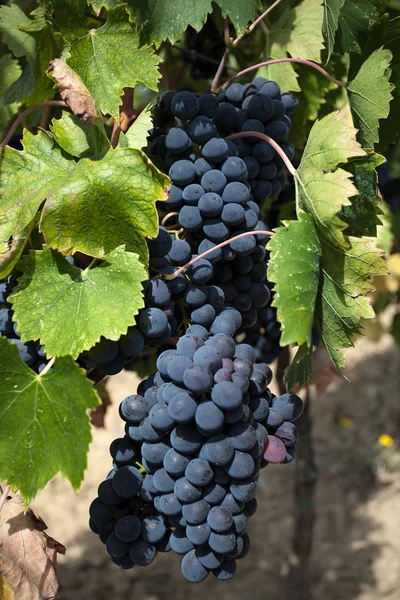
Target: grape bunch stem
<point>276,61</point>
<point>174,275</point>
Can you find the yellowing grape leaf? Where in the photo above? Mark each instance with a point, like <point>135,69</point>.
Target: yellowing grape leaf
<point>117,194</point>
<point>294,267</point>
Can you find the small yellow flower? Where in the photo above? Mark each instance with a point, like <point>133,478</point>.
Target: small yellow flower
<point>346,422</point>
<point>386,440</point>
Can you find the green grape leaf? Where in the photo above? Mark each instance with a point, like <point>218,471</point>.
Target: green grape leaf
<point>341,302</point>
<point>342,265</point>
<point>384,234</point>
<point>240,12</point>
<point>314,88</point>
<point>80,306</point>
<point>370,96</point>
<point>21,88</point>
<point>330,24</point>
<point>99,4</point>
<point>38,46</point>
<point>362,215</point>
<point>48,47</point>
<point>159,20</point>
<point>136,136</point>
<point>306,39</point>
<point>116,195</point>
<point>26,178</point>
<point>79,138</point>
<point>44,423</point>
<point>322,188</point>
<point>294,268</point>
<point>356,21</point>
<point>19,42</point>
<point>297,32</point>
<point>300,370</point>
<point>283,73</point>
<point>112,49</point>
<point>389,36</point>
<point>9,73</point>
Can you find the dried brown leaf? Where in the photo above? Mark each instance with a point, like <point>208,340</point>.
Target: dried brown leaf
<point>24,543</point>
<point>73,91</point>
<point>14,585</point>
<point>324,371</point>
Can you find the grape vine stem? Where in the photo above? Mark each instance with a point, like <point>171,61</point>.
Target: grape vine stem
<point>174,275</point>
<point>4,495</point>
<point>257,21</point>
<point>276,61</point>
<point>27,112</point>
<point>272,142</point>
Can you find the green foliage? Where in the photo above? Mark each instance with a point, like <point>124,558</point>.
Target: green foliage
<point>159,20</point>
<point>283,73</point>
<point>37,45</point>
<point>118,193</point>
<point>294,267</point>
<point>356,21</point>
<point>297,33</point>
<point>137,134</point>
<point>385,235</point>
<point>12,18</point>
<point>113,48</point>
<point>341,302</point>
<point>300,370</point>
<point>9,73</point>
<point>44,425</point>
<point>345,263</point>
<point>80,306</point>
<point>26,178</point>
<point>362,215</point>
<point>79,138</point>
<point>322,188</point>
<point>314,88</point>
<point>370,95</point>
<point>330,23</point>
<point>389,37</point>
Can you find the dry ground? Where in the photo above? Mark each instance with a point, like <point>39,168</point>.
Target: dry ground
<point>356,552</point>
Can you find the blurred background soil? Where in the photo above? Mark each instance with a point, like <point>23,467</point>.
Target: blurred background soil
<point>356,542</point>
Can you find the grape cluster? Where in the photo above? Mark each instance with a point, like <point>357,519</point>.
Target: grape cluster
<point>200,439</point>
<point>199,430</point>
<point>32,353</point>
<point>218,188</point>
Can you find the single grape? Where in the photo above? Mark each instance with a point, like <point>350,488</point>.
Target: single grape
<point>192,569</point>
<point>209,418</point>
<point>141,552</point>
<point>180,543</point>
<point>184,105</point>
<point>198,534</point>
<point>210,204</point>
<point>182,407</point>
<point>127,481</point>
<point>177,140</point>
